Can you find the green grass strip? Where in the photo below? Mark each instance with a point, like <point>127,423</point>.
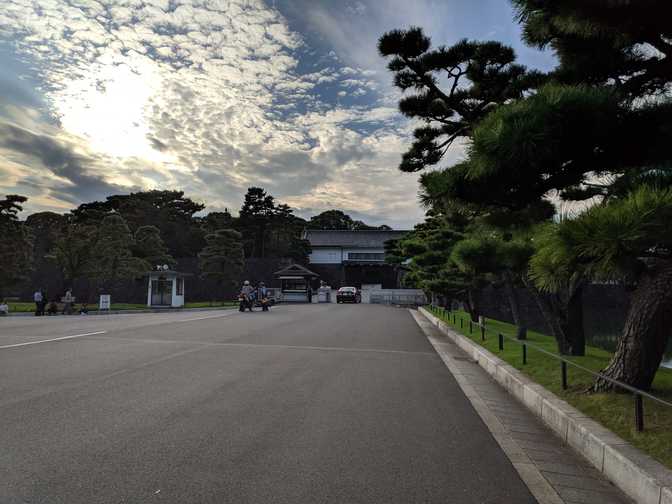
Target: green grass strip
<point>615,411</point>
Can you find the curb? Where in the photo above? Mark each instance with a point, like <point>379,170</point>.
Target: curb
<point>126,312</point>
<point>638,475</point>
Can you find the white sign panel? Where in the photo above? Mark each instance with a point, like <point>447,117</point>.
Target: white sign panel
<point>105,303</point>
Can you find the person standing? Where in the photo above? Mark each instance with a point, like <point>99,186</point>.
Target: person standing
<point>39,299</point>
<point>67,302</point>
<point>263,296</point>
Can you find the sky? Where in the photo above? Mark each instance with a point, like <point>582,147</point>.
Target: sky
<point>101,97</point>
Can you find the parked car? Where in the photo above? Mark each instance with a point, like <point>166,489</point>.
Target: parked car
<point>348,295</point>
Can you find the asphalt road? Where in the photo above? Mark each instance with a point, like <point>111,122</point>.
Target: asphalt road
<point>305,404</point>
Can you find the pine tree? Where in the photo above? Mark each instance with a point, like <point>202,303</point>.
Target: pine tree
<point>223,257</point>
<point>477,75</point>
<point>111,257</point>
<point>15,243</point>
<point>149,246</point>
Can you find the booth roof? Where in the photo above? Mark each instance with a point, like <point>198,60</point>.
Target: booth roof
<point>168,272</point>
<point>295,270</point>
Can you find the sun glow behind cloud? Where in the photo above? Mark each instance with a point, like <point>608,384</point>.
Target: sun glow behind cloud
<point>108,106</point>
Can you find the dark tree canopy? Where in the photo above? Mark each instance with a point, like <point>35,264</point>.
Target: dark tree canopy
<point>270,229</point>
<point>339,220</point>
<point>626,44</point>
<point>16,243</point>
<point>170,211</point>
<point>223,258</point>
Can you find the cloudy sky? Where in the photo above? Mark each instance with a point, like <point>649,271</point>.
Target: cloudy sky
<point>101,97</point>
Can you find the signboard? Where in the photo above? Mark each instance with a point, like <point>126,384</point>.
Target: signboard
<point>105,303</point>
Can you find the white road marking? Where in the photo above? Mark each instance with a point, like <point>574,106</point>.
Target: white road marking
<point>271,345</point>
<point>232,312</point>
<point>52,339</point>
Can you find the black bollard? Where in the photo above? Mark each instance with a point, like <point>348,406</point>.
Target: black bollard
<point>639,412</point>
<point>564,375</point>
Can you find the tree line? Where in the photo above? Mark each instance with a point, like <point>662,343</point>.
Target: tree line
<point>127,235</point>
<point>595,131</point>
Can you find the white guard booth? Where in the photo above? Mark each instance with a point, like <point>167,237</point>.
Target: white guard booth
<point>165,289</point>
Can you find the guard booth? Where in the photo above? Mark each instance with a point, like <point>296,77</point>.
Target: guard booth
<point>165,288</point>
<point>296,284</point>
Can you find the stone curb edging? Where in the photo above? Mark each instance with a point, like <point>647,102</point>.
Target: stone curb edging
<point>638,475</point>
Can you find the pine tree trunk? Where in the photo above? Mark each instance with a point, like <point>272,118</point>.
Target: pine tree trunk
<point>514,304</point>
<point>642,344</point>
<point>550,312</point>
<point>473,305</point>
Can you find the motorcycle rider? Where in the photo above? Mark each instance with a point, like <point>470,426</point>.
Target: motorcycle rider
<point>246,296</point>
<point>263,296</point>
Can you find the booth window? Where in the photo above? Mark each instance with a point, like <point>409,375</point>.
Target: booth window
<point>294,284</point>
<point>180,287</point>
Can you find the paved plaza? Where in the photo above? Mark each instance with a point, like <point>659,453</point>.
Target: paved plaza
<point>305,404</point>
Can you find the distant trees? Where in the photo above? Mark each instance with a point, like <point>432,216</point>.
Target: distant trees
<point>15,243</point>
<point>339,220</point>
<point>107,243</point>
<point>111,257</point>
<point>149,246</point>
<point>170,211</point>
<point>223,257</point>
<point>72,250</point>
<point>270,229</point>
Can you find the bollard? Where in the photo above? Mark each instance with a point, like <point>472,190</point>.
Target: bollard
<point>453,318</point>
<point>501,341</point>
<point>639,412</point>
<point>524,353</point>
<point>461,323</point>
<point>563,368</point>
<point>482,333</point>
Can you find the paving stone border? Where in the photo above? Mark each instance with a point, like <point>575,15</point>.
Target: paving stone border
<point>638,475</point>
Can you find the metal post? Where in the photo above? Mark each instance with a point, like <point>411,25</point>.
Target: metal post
<point>453,318</point>
<point>482,333</point>
<point>639,412</point>
<point>564,375</point>
<point>501,341</point>
<point>524,353</point>
<point>461,323</point>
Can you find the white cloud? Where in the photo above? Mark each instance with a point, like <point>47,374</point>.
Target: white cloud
<point>201,96</point>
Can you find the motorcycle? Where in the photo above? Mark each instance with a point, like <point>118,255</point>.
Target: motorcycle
<point>265,303</point>
<point>244,302</point>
